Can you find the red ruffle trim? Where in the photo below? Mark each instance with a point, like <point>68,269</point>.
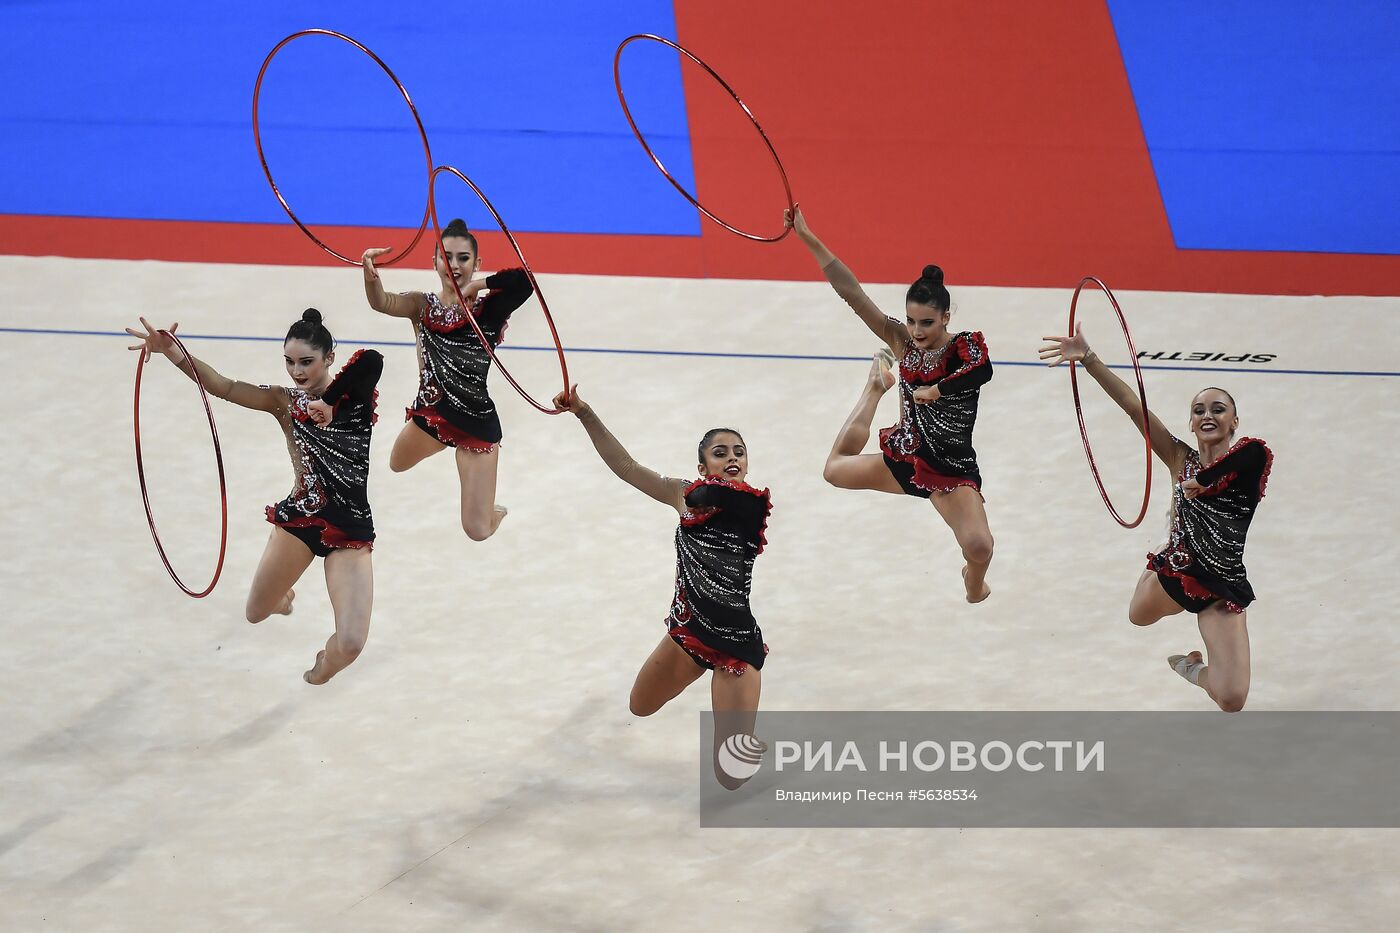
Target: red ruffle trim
<point>722,481</point>
<point>1191,586</point>
<point>477,307</point>
<point>957,351</point>
<point>1263,475</point>
<point>448,434</point>
<point>925,476</point>
<point>962,343</point>
<point>699,517</point>
<point>331,536</point>
<point>446,328</point>
<point>374,399</point>
<point>1219,485</point>
<point>697,648</point>
<point>1268,465</point>
<point>918,378</point>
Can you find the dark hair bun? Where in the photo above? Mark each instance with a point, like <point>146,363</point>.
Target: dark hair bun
<point>933,274</point>
<point>312,315</point>
<point>456,227</point>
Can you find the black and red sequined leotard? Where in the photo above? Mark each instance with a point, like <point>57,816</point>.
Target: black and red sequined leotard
<point>930,449</point>
<point>720,535</point>
<point>453,404</point>
<point>1204,557</point>
<point>329,504</point>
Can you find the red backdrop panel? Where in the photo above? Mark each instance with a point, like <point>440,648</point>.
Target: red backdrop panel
<point>998,139</point>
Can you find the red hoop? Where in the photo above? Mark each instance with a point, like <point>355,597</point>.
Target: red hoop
<point>437,232</point>
<point>1142,396</point>
<point>218,458</point>
<point>617,80</point>
<point>257,138</point>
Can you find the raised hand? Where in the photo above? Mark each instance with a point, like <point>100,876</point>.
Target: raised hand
<point>793,220</point>
<point>370,255</point>
<point>1059,350</point>
<point>571,402</point>
<point>153,340</point>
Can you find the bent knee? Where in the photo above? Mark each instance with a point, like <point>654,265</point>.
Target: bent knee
<point>477,531</point>
<point>401,459</point>
<point>1142,617</point>
<point>1231,702</point>
<point>835,475</point>
<point>638,708</point>
<point>350,645</point>
<point>978,550</point>
<point>1142,613</point>
<point>254,614</point>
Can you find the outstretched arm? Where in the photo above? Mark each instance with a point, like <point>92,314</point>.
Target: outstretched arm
<point>259,398</point>
<point>889,330</point>
<point>661,488</point>
<point>409,304</point>
<point>1075,349</point>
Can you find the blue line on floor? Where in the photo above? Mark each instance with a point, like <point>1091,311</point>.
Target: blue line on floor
<point>720,355</point>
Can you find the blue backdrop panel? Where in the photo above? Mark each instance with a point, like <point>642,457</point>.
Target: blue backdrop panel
<point>1272,124</point>
<point>144,111</point>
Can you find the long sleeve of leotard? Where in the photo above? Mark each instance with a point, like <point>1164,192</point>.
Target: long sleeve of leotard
<point>975,367</point>
<point>510,288</point>
<point>357,380</point>
<point>1246,466</point>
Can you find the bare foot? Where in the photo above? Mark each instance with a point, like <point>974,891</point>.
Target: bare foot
<point>284,608</point>
<point>881,378</point>
<point>317,675</point>
<point>986,590</point>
